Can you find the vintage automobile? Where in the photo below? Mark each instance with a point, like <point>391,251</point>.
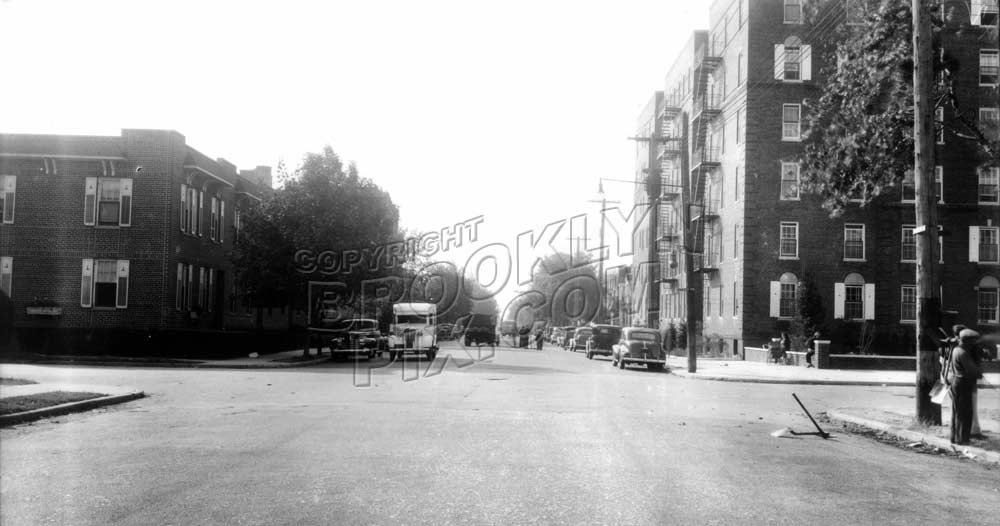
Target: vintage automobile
<point>603,340</point>
<point>580,338</point>
<point>445,331</point>
<point>359,337</point>
<point>478,329</point>
<point>639,345</point>
<point>414,330</point>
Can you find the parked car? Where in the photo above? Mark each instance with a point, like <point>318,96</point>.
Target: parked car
<point>478,329</point>
<point>358,336</point>
<point>444,331</point>
<point>603,340</point>
<point>580,338</point>
<point>639,345</point>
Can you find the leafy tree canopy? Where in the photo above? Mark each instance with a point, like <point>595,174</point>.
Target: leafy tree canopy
<point>860,138</point>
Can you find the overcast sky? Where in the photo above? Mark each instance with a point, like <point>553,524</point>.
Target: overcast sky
<point>508,109</point>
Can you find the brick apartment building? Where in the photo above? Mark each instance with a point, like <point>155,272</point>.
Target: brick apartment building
<point>731,122</point>
<point>104,236</point>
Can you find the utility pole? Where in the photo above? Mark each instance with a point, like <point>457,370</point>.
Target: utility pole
<point>928,281</point>
<point>600,259</point>
<point>691,314</point>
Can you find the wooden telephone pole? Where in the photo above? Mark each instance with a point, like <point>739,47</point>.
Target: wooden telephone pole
<point>928,280</point>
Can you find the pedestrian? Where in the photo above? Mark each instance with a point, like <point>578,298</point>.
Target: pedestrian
<point>786,346</point>
<point>962,374</point>
<point>811,349</point>
<point>538,339</point>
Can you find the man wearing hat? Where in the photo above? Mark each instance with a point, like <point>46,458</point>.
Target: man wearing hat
<point>962,374</point>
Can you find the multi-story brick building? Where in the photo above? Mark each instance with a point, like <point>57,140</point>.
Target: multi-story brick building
<point>735,96</point>
<point>104,235</point>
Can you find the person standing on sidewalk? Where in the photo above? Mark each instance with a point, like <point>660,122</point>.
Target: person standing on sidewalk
<point>962,374</point>
<point>811,349</point>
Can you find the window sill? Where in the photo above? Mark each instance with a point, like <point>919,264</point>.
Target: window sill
<point>849,260</point>
<point>908,322</point>
<point>790,139</point>
<point>105,309</point>
<point>988,263</point>
<point>984,203</point>
<point>909,261</point>
<point>788,258</point>
<point>789,199</point>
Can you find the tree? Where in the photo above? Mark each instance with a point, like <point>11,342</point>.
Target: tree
<point>860,138</point>
<point>320,207</point>
<point>569,288</point>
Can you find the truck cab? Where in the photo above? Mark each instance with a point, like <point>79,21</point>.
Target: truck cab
<point>414,330</point>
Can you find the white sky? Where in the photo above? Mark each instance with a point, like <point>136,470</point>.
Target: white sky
<point>510,109</point>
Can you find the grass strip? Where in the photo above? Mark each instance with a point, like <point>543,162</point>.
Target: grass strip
<point>17,404</point>
<point>16,381</point>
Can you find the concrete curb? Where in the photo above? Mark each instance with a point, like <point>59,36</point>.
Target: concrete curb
<point>799,381</point>
<point>803,381</point>
<point>71,407</point>
<point>262,365</point>
<point>193,365</point>
<point>912,436</point>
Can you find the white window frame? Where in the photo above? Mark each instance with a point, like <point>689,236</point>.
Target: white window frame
<point>8,188</point>
<point>906,292</point>
<point>855,226</point>
<point>988,288</point>
<point>793,227</point>
<point>787,167</point>
<point>89,283</point>
<point>984,55</point>
<point>903,244</point>
<point>939,183</point>
<point>977,247</point>
<point>793,5</point>
<point>939,124</point>
<point>909,183</point>
<point>989,178</point>
<point>805,63</point>
<point>984,7</point>
<point>791,126</point>
<point>6,274</point>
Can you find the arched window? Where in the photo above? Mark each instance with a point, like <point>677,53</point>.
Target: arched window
<point>854,299</point>
<point>988,310</point>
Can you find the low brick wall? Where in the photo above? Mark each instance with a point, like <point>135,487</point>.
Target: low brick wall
<point>760,354</point>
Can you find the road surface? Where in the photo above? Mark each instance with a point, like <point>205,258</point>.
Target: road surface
<point>522,437</point>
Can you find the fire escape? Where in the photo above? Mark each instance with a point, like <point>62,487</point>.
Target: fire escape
<point>671,148</point>
<point>705,161</point>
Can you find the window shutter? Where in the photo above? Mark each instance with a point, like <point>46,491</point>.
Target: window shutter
<point>806,62</point>
<point>201,208</point>
<point>974,244</point>
<point>222,218</point>
<point>122,301</point>
<point>6,273</point>
<point>10,192</point>
<point>184,197</point>
<point>869,301</point>
<point>179,300</point>
<point>87,283</point>
<point>779,61</point>
<point>90,201</point>
<point>201,287</point>
<point>126,203</point>
<point>775,299</point>
<point>838,301</point>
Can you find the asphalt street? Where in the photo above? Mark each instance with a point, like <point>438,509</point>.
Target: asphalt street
<point>519,437</point>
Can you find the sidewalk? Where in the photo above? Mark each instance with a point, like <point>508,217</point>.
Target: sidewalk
<point>758,372</point>
<point>893,417</point>
<point>279,360</point>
